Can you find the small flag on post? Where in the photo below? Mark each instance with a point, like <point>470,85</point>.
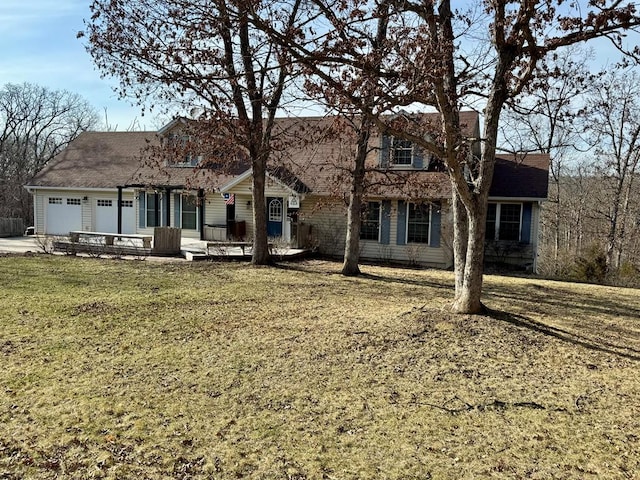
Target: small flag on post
<point>229,198</point>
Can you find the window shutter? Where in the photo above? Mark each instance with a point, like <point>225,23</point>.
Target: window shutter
<point>401,235</point>
<point>436,216</point>
<point>384,151</point>
<point>385,222</point>
<point>142,209</point>
<point>418,157</point>
<point>525,236</point>
<point>177,219</point>
<point>165,210</point>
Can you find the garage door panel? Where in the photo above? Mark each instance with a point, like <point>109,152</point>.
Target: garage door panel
<point>106,216</point>
<point>64,214</point>
<point>128,217</point>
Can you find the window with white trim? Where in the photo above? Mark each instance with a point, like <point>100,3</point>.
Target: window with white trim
<point>127,203</point>
<point>74,201</point>
<point>401,152</point>
<point>504,221</point>
<point>418,221</point>
<point>275,210</point>
<point>55,201</point>
<point>370,226</point>
<point>104,203</point>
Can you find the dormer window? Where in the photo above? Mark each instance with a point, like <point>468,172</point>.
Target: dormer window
<point>190,161</point>
<point>401,152</point>
<point>182,157</point>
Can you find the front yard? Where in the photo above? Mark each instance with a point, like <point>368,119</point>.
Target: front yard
<point>137,369</point>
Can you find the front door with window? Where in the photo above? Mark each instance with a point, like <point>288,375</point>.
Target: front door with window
<point>275,214</point>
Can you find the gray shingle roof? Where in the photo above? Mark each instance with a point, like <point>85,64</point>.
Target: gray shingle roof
<point>319,166</point>
<point>522,176</point>
<point>96,160</point>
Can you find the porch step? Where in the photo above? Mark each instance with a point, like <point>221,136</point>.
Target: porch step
<point>192,256</point>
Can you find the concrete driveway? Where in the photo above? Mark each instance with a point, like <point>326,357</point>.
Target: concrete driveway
<point>31,244</point>
<point>19,244</point>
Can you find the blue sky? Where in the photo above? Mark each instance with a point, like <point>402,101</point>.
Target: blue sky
<point>38,45</point>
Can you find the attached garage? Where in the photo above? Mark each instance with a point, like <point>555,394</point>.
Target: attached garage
<point>63,214</point>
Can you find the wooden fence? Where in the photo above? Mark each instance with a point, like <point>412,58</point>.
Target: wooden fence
<point>11,227</point>
<point>166,241</point>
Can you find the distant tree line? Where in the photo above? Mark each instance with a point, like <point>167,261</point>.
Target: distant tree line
<point>36,123</point>
<point>589,123</point>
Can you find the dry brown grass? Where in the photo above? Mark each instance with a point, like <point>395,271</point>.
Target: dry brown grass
<point>117,369</point>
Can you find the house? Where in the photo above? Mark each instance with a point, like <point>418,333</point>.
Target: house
<point>101,182</point>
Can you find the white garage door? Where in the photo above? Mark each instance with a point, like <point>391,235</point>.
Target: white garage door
<point>107,216</point>
<point>128,217</point>
<point>64,214</point>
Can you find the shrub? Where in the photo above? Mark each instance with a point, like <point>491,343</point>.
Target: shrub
<point>628,275</point>
<point>591,266</point>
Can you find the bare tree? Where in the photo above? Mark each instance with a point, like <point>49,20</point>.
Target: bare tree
<point>613,113</point>
<point>36,123</point>
<point>428,65</point>
<point>204,56</point>
<point>549,118</point>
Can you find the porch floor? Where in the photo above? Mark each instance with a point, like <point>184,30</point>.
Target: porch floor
<point>197,250</point>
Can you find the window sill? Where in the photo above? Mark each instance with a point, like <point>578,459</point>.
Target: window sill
<point>403,167</point>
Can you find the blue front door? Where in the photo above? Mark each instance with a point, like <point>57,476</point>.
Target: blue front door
<point>275,213</point>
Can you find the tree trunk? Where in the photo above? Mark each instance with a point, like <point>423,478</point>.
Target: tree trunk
<point>612,234</point>
<point>622,235</point>
<point>460,240</point>
<point>468,297</point>
<point>260,254</point>
<point>352,243</point>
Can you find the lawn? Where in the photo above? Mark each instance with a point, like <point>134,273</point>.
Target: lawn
<point>149,370</point>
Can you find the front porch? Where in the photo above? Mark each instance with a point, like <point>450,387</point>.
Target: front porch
<point>193,250</point>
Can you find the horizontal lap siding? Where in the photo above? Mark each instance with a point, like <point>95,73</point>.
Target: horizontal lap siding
<point>39,211</point>
<point>244,201</point>
<point>328,219</point>
<point>215,210</point>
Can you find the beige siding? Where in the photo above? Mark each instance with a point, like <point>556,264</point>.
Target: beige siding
<point>328,221</point>
<point>38,214</point>
<point>215,210</point>
<point>244,211</point>
<point>327,218</point>
<point>244,201</point>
